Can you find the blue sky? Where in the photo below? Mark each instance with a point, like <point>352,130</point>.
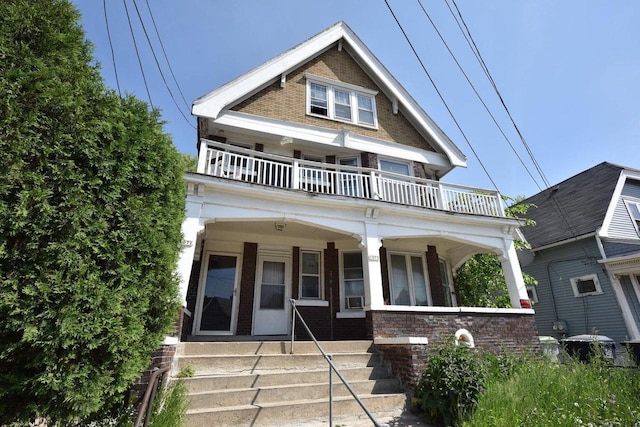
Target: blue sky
<point>569,70</point>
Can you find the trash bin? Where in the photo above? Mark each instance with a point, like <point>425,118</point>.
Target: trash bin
<point>633,349</point>
<point>550,348</point>
<point>582,346</point>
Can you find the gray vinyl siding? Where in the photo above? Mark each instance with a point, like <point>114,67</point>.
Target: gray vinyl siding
<point>553,268</point>
<point>620,249</point>
<point>631,188</point>
<point>622,226</point>
<point>631,297</point>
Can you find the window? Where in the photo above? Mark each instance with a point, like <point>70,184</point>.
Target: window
<point>401,168</point>
<point>408,280</point>
<point>586,285</point>
<point>447,285</point>
<point>532,293</point>
<point>341,101</point>
<point>351,183</point>
<point>310,283</point>
<point>352,281</point>
<point>634,212</point>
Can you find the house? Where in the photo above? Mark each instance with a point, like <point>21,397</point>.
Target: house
<point>586,254</point>
<point>319,181</point>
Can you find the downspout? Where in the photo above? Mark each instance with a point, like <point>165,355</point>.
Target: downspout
<point>632,328</point>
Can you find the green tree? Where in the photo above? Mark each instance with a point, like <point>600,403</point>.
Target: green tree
<point>91,203</point>
<point>480,279</point>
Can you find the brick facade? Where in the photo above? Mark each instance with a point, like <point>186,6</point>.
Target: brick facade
<point>495,332</point>
<point>247,288</point>
<point>289,103</point>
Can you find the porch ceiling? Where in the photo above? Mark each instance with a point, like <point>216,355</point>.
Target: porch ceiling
<point>279,229</point>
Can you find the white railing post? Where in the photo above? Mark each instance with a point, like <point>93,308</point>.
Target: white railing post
<point>443,198</point>
<point>373,185</point>
<point>295,175</point>
<point>202,157</point>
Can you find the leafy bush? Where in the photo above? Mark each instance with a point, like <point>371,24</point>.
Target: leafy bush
<point>450,385</point>
<point>91,203</point>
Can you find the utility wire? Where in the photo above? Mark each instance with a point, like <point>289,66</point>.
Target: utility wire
<point>113,56</point>
<point>165,56</point>
<point>424,68</point>
<point>158,64</point>
<point>137,53</point>
<point>486,70</point>
<point>555,205</point>
<point>476,92</point>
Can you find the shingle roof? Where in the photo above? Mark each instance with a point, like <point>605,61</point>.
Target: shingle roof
<point>574,207</point>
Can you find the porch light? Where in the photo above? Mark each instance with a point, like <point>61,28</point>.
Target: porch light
<point>279,226</point>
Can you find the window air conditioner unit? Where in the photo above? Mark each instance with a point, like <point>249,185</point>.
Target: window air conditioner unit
<point>355,302</point>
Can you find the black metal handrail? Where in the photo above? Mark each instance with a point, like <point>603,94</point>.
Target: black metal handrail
<point>146,406</point>
<point>332,368</point>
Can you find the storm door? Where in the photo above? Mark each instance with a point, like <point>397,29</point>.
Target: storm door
<point>273,290</point>
<point>217,308</point>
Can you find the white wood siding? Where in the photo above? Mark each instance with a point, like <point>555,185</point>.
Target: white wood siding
<point>622,226</point>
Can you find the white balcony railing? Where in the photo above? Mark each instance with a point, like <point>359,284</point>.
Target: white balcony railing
<point>227,161</point>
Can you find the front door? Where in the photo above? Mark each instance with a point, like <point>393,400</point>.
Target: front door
<point>273,290</point>
<point>216,313</point>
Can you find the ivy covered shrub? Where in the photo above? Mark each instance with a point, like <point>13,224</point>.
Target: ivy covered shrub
<point>450,385</point>
<point>91,204</point>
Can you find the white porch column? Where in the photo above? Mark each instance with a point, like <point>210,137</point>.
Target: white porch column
<point>627,315</point>
<point>513,275</point>
<point>372,272</point>
<point>190,229</point>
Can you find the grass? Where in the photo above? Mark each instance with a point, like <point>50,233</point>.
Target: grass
<point>541,393</point>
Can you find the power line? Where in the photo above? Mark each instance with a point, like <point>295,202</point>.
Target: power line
<point>113,56</point>
<point>555,205</point>
<point>476,92</point>
<point>137,53</point>
<point>486,69</point>
<point>165,55</point>
<point>424,68</point>
<point>144,29</point>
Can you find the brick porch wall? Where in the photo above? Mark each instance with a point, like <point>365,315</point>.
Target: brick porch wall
<point>495,332</point>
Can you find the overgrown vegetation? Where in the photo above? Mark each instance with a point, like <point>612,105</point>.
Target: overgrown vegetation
<point>463,388</point>
<point>170,406</point>
<point>91,203</point>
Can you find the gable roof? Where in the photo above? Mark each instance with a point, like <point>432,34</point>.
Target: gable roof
<point>575,207</point>
<point>213,104</point>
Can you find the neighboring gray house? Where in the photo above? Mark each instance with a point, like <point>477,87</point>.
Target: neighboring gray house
<point>586,254</point>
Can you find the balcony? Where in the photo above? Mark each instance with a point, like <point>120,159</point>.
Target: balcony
<point>250,166</point>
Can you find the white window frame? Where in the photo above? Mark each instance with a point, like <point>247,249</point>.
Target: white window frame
<point>631,205</point>
<point>533,293</point>
<point>444,264</point>
<point>319,275</point>
<point>343,296</point>
<point>353,91</point>
<point>574,285</point>
<point>408,163</point>
<point>412,295</point>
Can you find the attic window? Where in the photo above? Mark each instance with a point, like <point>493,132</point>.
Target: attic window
<point>341,101</point>
<point>634,212</point>
<point>586,285</point>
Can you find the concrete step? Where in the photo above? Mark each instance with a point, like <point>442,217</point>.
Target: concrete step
<point>220,382</point>
<point>268,414</point>
<point>287,393</point>
<point>228,364</point>
<point>273,347</point>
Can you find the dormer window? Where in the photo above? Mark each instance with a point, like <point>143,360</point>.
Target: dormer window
<point>634,211</point>
<point>341,101</point>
